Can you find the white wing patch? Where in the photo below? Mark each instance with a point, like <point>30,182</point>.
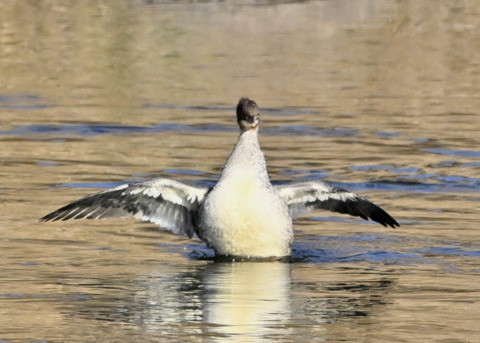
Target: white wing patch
<point>173,191</point>
<point>303,193</point>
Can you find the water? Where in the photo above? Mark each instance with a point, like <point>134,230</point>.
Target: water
<point>379,97</point>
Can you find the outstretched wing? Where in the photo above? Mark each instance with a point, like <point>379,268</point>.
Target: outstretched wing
<point>305,196</point>
<point>172,205</point>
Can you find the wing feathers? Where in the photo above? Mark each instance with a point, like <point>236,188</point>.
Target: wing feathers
<point>306,196</point>
<point>171,204</point>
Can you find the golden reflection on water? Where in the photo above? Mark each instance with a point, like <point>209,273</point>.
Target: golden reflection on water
<point>374,94</point>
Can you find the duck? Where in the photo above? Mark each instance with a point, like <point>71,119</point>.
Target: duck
<point>243,215</point>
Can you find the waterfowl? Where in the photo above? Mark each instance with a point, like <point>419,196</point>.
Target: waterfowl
<point>243,215</point>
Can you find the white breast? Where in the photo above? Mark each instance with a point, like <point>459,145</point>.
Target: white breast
<point>242,216</point>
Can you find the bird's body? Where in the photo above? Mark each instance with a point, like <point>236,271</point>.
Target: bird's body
<point>242,215</point>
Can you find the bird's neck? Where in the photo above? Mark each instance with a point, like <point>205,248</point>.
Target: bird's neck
<point>246,157</point>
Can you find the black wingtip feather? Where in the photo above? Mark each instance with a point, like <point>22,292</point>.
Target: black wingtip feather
<point>63,213</point>
<point>358,207</point>
<point>377,214</point>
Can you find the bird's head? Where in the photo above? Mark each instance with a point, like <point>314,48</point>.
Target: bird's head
<point>248,115</point>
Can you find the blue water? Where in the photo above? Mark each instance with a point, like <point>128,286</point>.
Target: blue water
<point>308,249</point>
<point>411,178</point>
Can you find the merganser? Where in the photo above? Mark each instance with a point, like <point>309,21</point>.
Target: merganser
<point>243,215</point>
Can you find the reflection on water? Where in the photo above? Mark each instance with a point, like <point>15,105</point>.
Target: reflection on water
<point>255,302</point>
<point>376,96</point>
<point>248,299</point>
<point>243,300</point>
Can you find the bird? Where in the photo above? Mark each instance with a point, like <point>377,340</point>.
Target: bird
<point>243,215</point>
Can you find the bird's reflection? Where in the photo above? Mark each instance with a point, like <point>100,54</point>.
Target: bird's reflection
<point>247,301</point>
<point>232,299</point>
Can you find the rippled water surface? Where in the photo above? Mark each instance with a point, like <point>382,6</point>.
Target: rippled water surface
<point>380,97</point>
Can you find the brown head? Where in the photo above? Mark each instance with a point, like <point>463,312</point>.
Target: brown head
<point>248,115</point>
